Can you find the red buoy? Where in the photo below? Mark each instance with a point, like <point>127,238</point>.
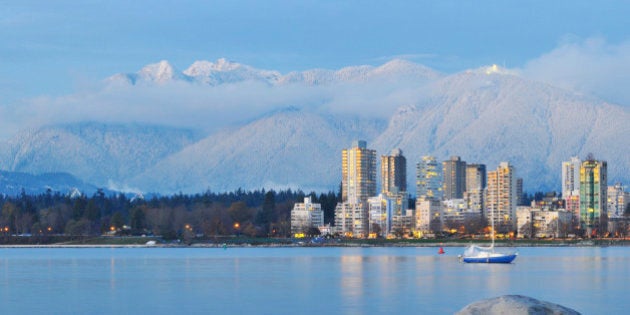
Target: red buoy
<point>441,251</point>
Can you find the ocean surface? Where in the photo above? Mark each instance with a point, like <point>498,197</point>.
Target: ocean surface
<point>318,280</point>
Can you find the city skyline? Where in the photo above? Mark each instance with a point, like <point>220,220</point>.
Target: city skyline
<point>193,103</point>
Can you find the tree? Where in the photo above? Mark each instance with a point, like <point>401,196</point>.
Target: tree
<point>313,231</point>
<point>138,218</point>
<point>9,214</point>
<point>239,212</point>
<point>375,228</point>
<point>526,229</point>
<point>435,225</point>
<point>91,211</point>
<point>117,220</point>
<point>266,215</point>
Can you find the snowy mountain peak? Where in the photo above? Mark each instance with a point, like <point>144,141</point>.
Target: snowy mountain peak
<point>159,72</point>
<point>494,69</point>
<point>205,68</point>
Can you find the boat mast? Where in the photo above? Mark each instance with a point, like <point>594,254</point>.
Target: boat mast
<point>492,233</point>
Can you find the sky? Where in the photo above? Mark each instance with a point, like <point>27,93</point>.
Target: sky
<point>52,49</point>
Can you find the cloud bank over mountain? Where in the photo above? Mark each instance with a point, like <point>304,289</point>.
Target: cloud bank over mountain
<point>211,95</point>
<point>222,126</point>
<point>591,66</point>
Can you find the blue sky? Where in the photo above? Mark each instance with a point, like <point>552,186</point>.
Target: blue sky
<point>57,47</point>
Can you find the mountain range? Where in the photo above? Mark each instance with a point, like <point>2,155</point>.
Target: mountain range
<point>484,115</point>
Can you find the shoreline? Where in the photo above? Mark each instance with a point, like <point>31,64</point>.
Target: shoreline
<point>349,244</point>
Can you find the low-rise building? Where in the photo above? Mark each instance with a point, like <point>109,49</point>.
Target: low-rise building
<point>618,200</point>
<point>305,216</point>
<point>537,222</point>
<point>403,224</point>
<point>351,219</point>
<point>428,215</point>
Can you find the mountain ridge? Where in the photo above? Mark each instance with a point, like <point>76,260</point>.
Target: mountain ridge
<point>485,115</point>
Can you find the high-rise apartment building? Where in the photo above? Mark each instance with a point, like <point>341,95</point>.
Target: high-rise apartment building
<point>571,177</point>
<point>358,183</point>
<point>475,187</point>
<point>428,178</point>
<point>501,197</point>
<point>358,173</point>
<point>454,178</point>
<point>593,191</point>
<point>394,173</point>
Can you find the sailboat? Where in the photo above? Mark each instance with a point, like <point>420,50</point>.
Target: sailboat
<point>488,255</point>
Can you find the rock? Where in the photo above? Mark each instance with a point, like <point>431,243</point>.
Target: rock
<point>515,305</point>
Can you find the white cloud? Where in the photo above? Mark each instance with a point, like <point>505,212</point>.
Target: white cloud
<point>592,66</point>
<point>203,107</point>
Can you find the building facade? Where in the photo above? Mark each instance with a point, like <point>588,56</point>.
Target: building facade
<point>428,215</point>
<point>454,178</point>
<point>571,177</point>
<point>305,216</point>
<point>475,187</point>
<point>540,223</point>
<point>593,196</point>
<point>352,219</point>
<point>501,199</point>
<point>429,178</point>
<point>394,173</point>
<point>380,210</point>
<point>358,181</point>
<point>618,200</point>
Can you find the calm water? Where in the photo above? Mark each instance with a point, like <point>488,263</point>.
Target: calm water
<point>302,280</point>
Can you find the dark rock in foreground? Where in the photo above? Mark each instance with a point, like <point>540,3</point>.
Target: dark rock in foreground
<point>515,305</point>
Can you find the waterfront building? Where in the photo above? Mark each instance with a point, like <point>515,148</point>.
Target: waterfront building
<point>593,200</point>
<point>394,173</point>
<point>358,181</point>
<point>385,213</point>
<point>428,215</point>
<point>572,205</point>
<point>305,216</point>
<point>428,178</point>
<point>524,222</point>
<point>571,177</point>
<point>501,200</point>
<point>618,200</point>
<point>351,219</point>
<point>403,224</point>
<point>454,178</point>
<point>540,223</point>
<point>455,213</point>
<point>380,210</point>
<point>475,186</point>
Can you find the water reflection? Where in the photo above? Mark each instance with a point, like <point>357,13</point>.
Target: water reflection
<point>304,280</point>
<point>351,280</point>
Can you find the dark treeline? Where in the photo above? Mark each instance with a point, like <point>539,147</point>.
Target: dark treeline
<point>252,213</point>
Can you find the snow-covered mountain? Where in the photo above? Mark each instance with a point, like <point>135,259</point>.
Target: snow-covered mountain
<point>106,155</point>
<point>223,72</point>
<point>288,149</point>
<point>484,115</point>
<point>14,183</point>
<point>488,117</point>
